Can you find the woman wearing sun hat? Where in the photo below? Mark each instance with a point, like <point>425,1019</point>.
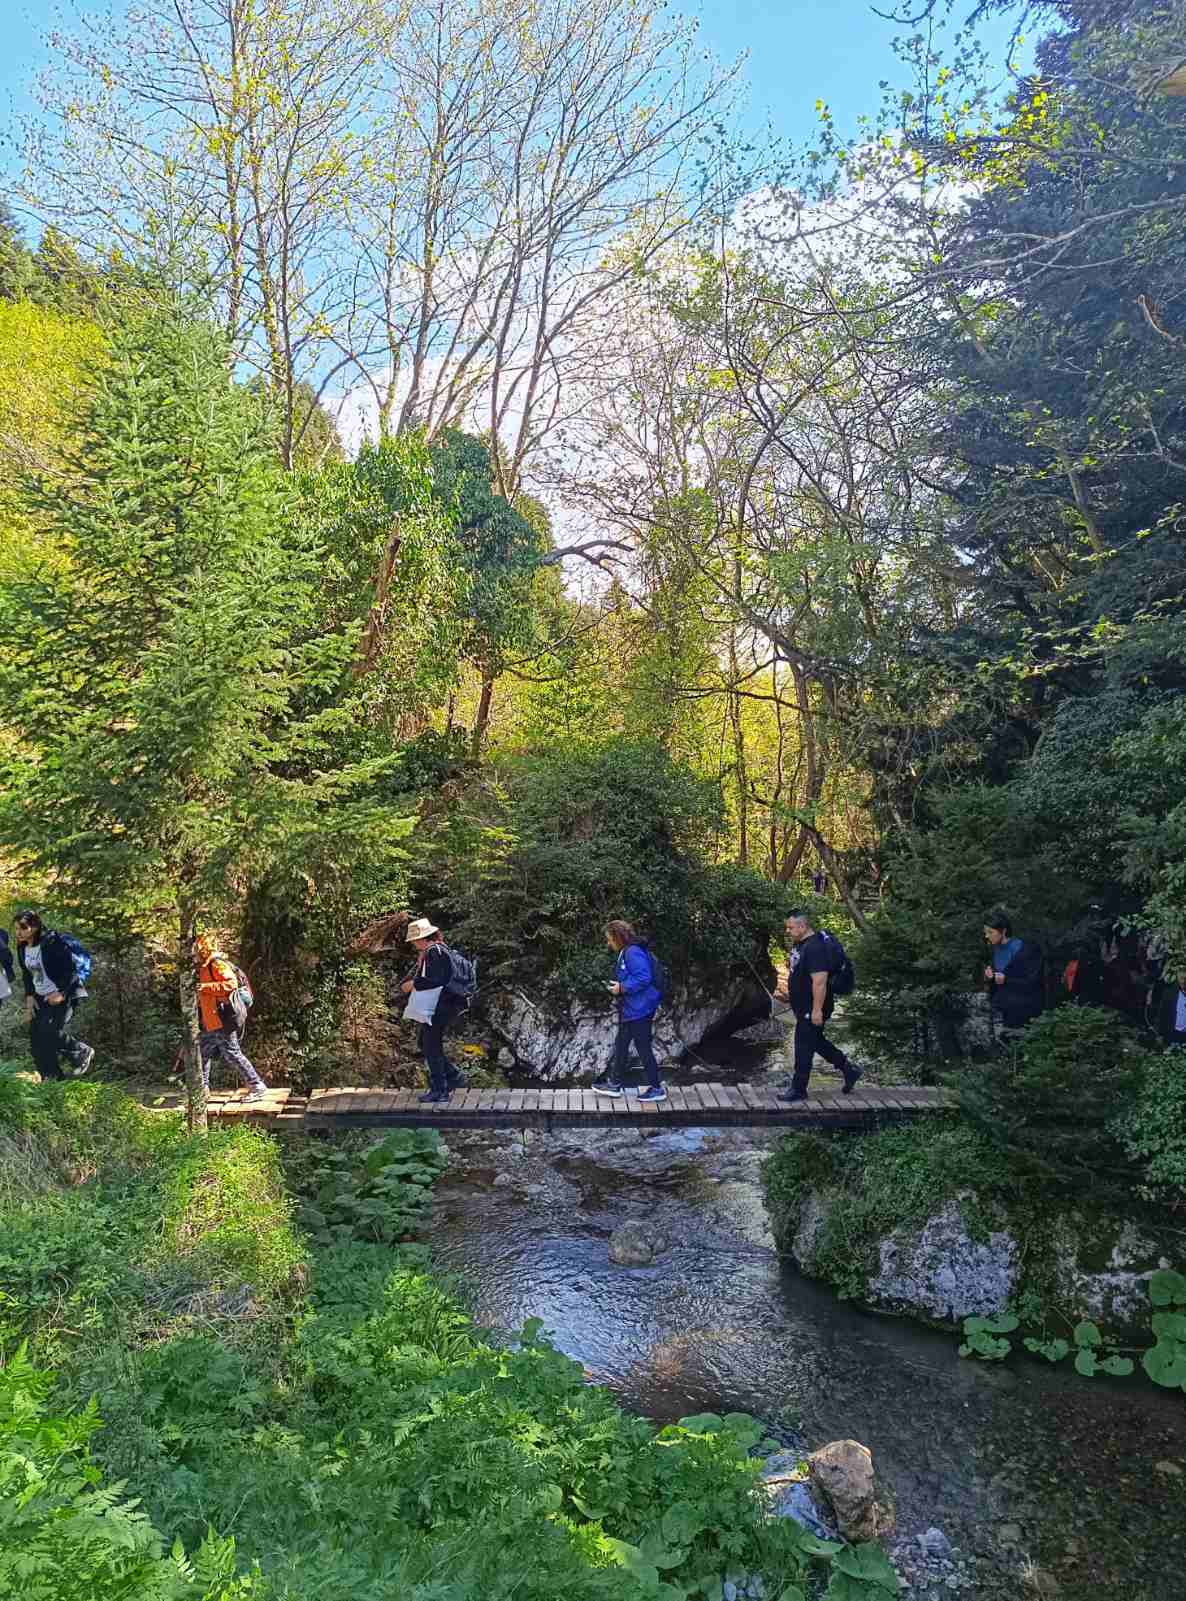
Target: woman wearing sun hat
<point>434,970</point>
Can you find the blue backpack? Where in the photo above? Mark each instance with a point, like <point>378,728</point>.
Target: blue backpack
<point>660,977</point>
<point>83,960</point>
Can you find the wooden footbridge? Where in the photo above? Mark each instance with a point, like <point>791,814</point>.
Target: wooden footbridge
<point>692,1106</point>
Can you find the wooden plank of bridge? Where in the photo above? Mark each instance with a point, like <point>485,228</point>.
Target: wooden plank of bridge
<point>733,1102</point>
<point>708,1104</point>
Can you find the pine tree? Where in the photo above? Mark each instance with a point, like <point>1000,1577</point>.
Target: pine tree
<point>165,646</point>
<point>16,263</point>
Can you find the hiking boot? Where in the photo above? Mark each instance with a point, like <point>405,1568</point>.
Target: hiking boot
<point>792,1095</point>
<point>88,1056</point>
<point>606,1086</point>
<point>256,1093</point>
<point>851,1076</point>
<point>653,1092</point>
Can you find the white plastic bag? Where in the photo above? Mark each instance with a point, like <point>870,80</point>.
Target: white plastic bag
<point>421,1005</point>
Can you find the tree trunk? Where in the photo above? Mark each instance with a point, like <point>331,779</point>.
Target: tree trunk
<point>482,720</point>
<point>187,983</point>
<point>740,767</point>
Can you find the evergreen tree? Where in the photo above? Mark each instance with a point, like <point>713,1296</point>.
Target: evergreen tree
<point>165,644</point>
<point>16,264</point>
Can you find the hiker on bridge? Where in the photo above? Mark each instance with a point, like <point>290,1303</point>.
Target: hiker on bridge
<point>816,960</point>
<point>1170,1014</point>
<point>54,968</point>
<point>222,1016</point>
<point>639,998</point>
<point>440,985</point>
<point>1016,992</point>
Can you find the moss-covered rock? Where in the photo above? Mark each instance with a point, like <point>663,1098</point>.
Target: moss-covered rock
<point>924,1223</point>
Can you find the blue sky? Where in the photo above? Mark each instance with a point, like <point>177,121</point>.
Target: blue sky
<point>800,51</point>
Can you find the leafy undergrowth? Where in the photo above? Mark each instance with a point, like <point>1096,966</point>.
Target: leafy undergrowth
<point>333,1413</point>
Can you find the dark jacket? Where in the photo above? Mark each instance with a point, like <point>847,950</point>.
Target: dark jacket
<point>1165,1016</point>
<point>1022,996</point>
<point>433,970</point>
<point>640,994</point>
<point>6,956</point>
<point>58,964</point>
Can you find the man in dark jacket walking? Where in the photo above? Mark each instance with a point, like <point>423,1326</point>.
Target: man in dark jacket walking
<point>809,992</point>
<point>433,971</point>
<point>53,994</point>
<point>1014,974</point>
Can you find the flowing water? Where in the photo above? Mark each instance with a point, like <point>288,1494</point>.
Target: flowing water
<point>1045,1484</point>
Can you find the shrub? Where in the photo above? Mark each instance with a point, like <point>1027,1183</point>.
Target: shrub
<point>65,1535</point>
<point>1152,1129</point>
<point>526,873</point>
<point>378,1195</point>
<point>1050,1105</point>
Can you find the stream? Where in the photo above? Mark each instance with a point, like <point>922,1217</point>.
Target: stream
<point>1043,1483</point>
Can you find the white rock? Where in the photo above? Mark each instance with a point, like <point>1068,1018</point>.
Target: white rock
<point>579,1042</point>
<point>942,1271</point>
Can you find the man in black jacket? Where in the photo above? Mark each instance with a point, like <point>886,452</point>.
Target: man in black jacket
<point>434,970</point>
<point>809,991</point>
<point>52,997</point>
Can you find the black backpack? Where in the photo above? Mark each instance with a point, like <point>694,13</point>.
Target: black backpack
<point>463,975</point>
<point>660,977</point>
<point>841,975</point>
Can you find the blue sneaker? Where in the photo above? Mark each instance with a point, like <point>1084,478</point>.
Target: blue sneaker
<point>606,1086</point>
<point>653,1092</point>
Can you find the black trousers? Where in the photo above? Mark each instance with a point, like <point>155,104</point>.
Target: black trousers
<point>50,1037</point>
<point>810,1042</point>
<point>637,1032</point>
<point>441,1072</point>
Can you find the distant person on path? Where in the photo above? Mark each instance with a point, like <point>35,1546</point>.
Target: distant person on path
<point>54,991</point>
<point>221,1030</point>
<point>1171,1012</point>
<point>809,991</point>
<point>639,998</point>
<point>1013,974</point>
<point>435,970</point>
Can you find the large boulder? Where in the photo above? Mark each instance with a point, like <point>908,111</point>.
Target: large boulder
<point>578,1042</point>
<point>635,1244</point>
<point>941,1271</point>
<point>842,1475</point>
<point>1101,1267</point>
<point>1093,1266</point>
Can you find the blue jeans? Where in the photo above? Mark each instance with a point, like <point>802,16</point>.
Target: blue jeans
<point>637,1032</point>
<point>224,1042</point>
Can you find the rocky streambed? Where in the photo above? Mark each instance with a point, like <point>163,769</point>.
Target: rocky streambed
<point>1004,1482</point>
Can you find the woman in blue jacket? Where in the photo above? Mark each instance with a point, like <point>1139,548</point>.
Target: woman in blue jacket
<point>639,1001</point>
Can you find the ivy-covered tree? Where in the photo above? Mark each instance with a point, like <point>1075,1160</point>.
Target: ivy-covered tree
<point>169,682</point>
<point>500,554</point>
